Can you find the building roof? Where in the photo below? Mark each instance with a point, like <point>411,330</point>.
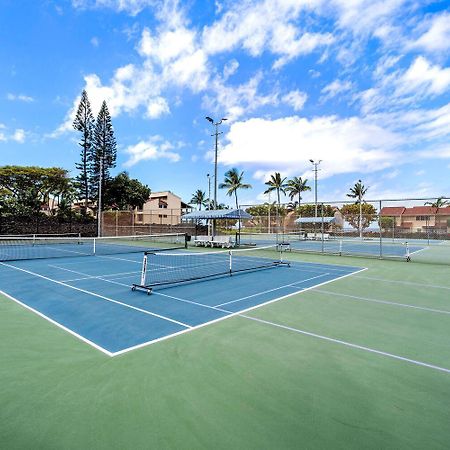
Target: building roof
<point>218,214</point>
<point>427,211</point>
<point>392,211</point>
<point>154,195</point>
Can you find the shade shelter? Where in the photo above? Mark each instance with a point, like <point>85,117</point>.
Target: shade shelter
<point>215,214</point>
<point>316,220</point>
<point>218,214</point>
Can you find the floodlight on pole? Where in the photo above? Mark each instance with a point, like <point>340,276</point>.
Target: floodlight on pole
<point>216,134</point>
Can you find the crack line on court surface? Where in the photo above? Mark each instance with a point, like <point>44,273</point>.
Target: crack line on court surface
<point>436,286</point>
<point>94,294</point>
<point>385,302</point>
<point>348,344</point>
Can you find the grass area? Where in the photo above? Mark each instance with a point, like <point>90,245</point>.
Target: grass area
<point>241,383</point>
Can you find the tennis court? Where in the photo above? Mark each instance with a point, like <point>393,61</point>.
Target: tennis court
<point>388,248</point>
<point>91,295</point>
<point>326,352</point>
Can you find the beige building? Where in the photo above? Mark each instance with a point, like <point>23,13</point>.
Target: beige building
<point>419,218</point>
<point>164,208</point>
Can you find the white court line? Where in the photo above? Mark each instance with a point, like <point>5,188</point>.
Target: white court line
<point>94,294</point>
<point>35,311</point>
<point>349,344</point>
<point>434,286</point>
<point>292,285</point>
<point>90,277</point>
<point>385,302</point>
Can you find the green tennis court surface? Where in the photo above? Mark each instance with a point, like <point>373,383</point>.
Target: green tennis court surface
<point>360,362</point>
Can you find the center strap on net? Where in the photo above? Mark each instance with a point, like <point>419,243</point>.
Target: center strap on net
<point>170,268</point>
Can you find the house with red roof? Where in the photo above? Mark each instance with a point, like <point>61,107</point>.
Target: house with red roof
<point>419,218</point>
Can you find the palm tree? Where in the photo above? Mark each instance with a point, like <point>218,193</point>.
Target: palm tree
<point>198,198</point>
<point>278,184</point>
<point>438,204</point>
<point>296,186</point>
<point>358,191</point>
<point>233,182</point>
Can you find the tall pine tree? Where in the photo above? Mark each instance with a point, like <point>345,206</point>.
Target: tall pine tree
<point>105,150</point>
<point>84,123</point>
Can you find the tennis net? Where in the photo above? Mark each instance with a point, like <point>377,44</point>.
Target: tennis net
<point>170,268</point>
<point>18,248</point>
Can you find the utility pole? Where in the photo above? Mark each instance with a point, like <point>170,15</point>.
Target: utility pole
<point>216,134</point>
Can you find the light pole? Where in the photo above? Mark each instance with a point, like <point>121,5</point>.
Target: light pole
<point>209,199</point>
<point>209,190</point>
<point>99,213</point>
<point>216,134</point>
<point>315,164</point>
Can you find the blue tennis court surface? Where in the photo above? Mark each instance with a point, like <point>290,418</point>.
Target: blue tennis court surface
<point>91,297</point>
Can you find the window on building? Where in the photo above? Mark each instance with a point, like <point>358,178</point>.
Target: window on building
<point>422,218</point>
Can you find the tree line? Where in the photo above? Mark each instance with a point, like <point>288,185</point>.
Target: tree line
<point>26,190</point>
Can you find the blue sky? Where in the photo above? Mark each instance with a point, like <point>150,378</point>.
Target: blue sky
<point>363,85</point>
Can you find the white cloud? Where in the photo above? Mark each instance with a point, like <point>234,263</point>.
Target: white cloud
<point>366,16</point>
<point>95,41</point>
<point>132,7</point>
<point>296,99</point>
<point>154,148</point>
<point>230,68</point>
<point>19,97</point>
<point>437,36</point>
<point>247,25</point>
<point>422,78</point>
<point>286,145</point>
<point>336,87</point>
<point>19,136</point>
<point>238,100</point>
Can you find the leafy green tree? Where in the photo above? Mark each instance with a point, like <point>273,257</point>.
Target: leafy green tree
<point>105,150</point>
<point>360,215</point>
<point>310,211</point>
<point>358,191</point>
<point>123,192</point>
<point>26,189</point>
<point>84,123</point>
<point>198,198</point>
<point>296,186</point>
<point>233,182</point>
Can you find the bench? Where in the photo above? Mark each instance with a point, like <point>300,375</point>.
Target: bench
<point>202,241</point>
<point>221,241</point>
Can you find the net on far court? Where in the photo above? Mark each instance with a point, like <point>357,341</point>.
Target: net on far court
<point>170,268</point>
<point>18,248</point>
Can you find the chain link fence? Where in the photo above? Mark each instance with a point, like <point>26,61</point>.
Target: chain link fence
<point>132,223</point>
<point>406,229</point>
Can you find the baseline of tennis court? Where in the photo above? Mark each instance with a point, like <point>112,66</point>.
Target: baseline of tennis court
<point>91,297</point>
